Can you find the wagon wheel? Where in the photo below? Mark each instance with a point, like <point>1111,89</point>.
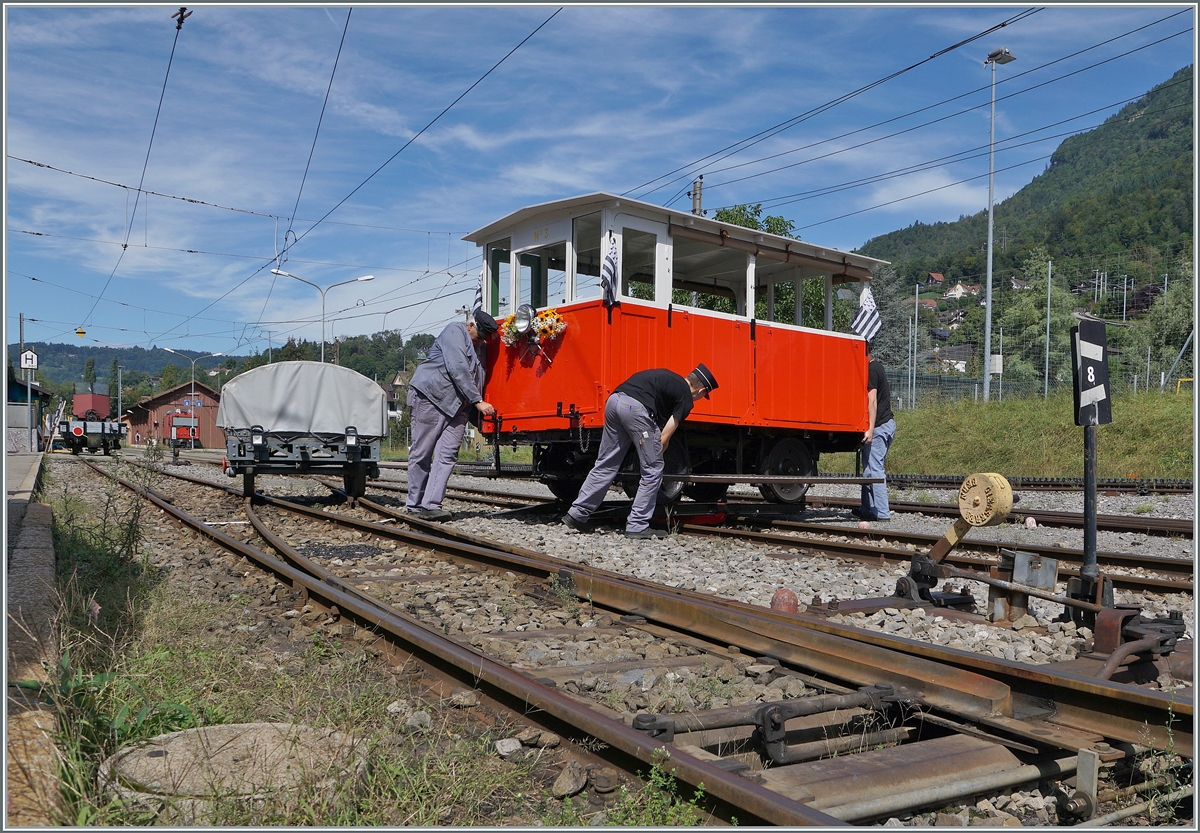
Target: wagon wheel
<point>788,456</point>
<point>674,462</point>
<point>565,490</point>
<point>74,449</point>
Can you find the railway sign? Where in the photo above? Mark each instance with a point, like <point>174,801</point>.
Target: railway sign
<point>29,360</point>
<point>1089,354</point>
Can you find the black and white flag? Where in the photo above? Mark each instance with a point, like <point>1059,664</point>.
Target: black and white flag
<point>478,303</point>
<point>608,274</point>
<point>867,322</point>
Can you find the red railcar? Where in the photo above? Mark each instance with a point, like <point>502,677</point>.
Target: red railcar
<point>787,392</point>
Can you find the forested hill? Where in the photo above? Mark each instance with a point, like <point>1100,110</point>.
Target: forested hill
<point>1123,186</point>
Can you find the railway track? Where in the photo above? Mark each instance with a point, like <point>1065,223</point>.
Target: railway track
<point>1129,571</point>
<point>909,721</point>
<point>1128,485</point>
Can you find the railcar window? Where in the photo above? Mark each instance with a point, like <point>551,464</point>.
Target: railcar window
<point>637,263</point>
<point>498,268</point>
<point>707,276</point>
<point>588,256</point>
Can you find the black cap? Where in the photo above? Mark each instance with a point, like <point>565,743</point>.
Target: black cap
<point>485,324</point>
<point>706,378</point>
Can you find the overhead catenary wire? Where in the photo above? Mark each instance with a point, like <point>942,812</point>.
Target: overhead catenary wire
<point>1010,79</point>
<point>762,135</point>
<point>145,164</point>
<point>709,187</point>
<point>381,167</point>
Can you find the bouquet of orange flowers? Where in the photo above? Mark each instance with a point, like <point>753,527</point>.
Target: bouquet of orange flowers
<point>547,325</point>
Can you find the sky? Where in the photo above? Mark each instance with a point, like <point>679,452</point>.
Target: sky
<point>349,127</point>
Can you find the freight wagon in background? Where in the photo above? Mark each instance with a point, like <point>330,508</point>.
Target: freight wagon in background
<point>89,427</point>
<point>787,394</point>
<point>303,418</point>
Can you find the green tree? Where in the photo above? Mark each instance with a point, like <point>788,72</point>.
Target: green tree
<point>1162,332</point>
<point>295,351</point>
<point>114,381</point>
<point>171,376</point>
<point>89,371</point>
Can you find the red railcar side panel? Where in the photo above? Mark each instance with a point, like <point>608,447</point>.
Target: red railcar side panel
<point>813,380</point>
<point>526,388</point>
<point>784,377</point>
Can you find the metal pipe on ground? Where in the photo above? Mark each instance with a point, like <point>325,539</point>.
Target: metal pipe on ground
<point>887,805</point>
<point>1137,809</point>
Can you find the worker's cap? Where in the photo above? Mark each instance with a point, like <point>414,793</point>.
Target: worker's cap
<point>484,323</point>
<point>705,377</point>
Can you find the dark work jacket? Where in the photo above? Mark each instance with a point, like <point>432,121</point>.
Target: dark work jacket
<point>453,375</point>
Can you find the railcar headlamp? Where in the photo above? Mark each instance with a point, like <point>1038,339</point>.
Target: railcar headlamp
<point>351,436</point>
<point>256,436</point>
<point>523,319</point>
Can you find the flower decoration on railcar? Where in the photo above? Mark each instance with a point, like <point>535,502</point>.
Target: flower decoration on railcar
<point>526,326</point>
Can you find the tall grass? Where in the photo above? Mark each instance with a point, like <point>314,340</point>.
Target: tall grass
<point>1151,436</point>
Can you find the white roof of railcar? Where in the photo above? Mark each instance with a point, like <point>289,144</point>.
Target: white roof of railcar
<point>602,199</point>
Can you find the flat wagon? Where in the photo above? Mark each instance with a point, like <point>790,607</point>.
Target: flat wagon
<point>90,427</point>
<point>787,392</point>
<point>303,418</point>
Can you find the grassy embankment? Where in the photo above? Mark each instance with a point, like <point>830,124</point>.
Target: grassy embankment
<point>1151,436</point>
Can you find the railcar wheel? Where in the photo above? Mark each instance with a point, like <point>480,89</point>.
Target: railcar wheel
<point>674,462</point>
<point>565,490</point>
<point>788,456</point>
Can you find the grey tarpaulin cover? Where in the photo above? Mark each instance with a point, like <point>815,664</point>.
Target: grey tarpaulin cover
<point>303,398</point>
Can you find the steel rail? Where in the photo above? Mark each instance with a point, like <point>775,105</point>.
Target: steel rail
<point>1108,523</point>
<point>1083,708</point>
<point>872,553</point>
<point>763,803</point>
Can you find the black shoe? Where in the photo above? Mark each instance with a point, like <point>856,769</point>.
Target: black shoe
<point>433,514</point>
<point>856,512</point>
<point>578,526</point>
<point>646,533</point>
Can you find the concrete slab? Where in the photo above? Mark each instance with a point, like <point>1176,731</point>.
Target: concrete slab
<point>31,763</point>
<point>182,773</point>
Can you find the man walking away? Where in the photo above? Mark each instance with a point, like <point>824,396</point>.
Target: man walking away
<point>443,392</point>
<point>644,411</point>
<point>878,439</point>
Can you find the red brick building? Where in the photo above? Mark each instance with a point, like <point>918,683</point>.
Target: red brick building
<point>140,418</point>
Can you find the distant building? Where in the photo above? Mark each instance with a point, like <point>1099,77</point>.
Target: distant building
<point>952,359</point>
<point>1017,283</point>
<point>928,303</point>
<point>936,279</point>
<point>18,394</point>
<point>397,391</point>
<point>960,289</point>
<point>141,418</point>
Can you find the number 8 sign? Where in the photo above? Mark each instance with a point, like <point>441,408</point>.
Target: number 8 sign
<point>1089,354</point>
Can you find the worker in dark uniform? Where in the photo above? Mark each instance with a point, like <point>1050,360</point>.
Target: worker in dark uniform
<point>878,439</point>
<point>644,411</point>
<point>444,390</point>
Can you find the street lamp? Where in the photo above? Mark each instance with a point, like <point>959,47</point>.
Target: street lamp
<point>996,56</point>
<point>195,417</point>
<point>284,274</point>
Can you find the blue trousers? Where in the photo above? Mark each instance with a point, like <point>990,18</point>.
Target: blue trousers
<point>626,423</point>
<point>874,496</point>
<point>434,450</point>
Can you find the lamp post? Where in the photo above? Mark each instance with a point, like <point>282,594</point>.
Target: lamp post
<point>284,274</point>
<point>996,56</point>
<point>195,418</point>
<point>120,413</point>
